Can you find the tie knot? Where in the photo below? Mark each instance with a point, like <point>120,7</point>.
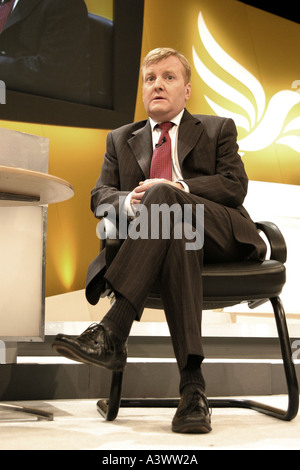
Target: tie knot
<point>165,126</point>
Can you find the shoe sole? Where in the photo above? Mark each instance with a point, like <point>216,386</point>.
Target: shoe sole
<point>71,353</point>
<point>191,427</point>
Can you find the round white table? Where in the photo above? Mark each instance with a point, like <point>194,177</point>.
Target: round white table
<point>20,186</point>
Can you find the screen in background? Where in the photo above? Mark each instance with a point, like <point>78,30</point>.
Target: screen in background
<point>63,66</point>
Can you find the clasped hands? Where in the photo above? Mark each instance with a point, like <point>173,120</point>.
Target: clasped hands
<point>139,191</point>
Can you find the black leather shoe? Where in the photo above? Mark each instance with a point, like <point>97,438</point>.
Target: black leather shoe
<point>96,345</point>
<point>193,414</point>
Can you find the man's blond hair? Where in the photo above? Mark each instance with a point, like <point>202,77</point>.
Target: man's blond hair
<point>156,55</point>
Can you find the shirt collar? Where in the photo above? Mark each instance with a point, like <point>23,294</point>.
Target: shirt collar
<point>176,120</point>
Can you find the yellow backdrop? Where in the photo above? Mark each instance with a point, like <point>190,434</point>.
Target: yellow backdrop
<point>262,44</point>
<point>249,66</point>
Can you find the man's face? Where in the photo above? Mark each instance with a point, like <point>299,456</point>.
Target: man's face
<point>164,89</point>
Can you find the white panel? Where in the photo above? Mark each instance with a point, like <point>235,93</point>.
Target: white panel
<point>22,150</point>
<point>21,272</point>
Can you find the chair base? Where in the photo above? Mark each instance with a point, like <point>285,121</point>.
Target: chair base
<point>106,411</point>
<point>109,408</point>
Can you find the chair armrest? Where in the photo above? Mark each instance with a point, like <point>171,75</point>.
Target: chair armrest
<point>276,240</point>
<point>108,233</point>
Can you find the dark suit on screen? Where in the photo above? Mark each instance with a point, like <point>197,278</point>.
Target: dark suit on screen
<point>43,49</point>
<point>215,175</point>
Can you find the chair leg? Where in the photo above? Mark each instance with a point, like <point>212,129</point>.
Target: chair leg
<point>290,374</point>
<point>109,409</point>
<point>289,367</point>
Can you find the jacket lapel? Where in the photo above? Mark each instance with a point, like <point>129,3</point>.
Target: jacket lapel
<point>190,130</point>
<point>22,10</point>
<point>141,146</point>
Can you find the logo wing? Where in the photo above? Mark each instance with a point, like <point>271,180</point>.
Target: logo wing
<point>262,124</point>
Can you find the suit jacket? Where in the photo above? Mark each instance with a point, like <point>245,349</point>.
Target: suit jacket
<point>44,49</point>
<point>210,166</point>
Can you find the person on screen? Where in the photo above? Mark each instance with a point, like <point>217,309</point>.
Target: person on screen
<point>44,48</point>
<point>206,170</point>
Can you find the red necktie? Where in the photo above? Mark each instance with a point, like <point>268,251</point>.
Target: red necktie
<point>5,10</point>
<point>161,163</point>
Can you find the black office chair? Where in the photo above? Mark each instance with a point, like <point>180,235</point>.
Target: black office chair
<point>226,285</point>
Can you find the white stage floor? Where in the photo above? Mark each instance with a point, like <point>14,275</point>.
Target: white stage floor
<point>77,425</point>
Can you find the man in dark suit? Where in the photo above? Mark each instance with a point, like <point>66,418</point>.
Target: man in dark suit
<point>206,171</point>
<point>44,48</point>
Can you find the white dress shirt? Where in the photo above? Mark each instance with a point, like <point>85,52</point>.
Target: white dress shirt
<point>176,171</point>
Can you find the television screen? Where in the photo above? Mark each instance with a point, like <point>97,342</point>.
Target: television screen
<point>69,66</point>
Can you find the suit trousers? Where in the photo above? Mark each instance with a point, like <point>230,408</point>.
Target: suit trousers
<point>140,262</point>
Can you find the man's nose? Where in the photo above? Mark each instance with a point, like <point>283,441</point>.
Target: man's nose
<point>159,83</point>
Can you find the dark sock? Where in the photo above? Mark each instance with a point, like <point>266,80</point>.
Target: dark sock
<point>120,318</point>
<point>191,374</point>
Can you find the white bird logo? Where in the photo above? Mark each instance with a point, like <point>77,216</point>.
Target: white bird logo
<point>264,123</point>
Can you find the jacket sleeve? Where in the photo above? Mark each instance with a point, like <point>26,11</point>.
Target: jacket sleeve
<point>107,189</point>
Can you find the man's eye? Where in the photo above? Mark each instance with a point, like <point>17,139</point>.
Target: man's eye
<point>149,79</point>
